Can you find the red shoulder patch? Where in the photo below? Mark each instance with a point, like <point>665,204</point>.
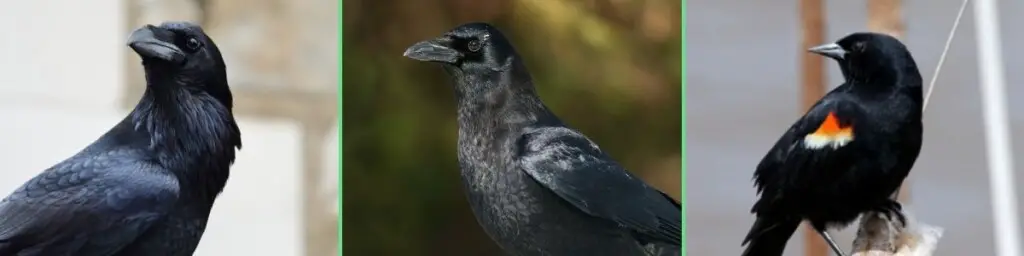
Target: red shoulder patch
<point>829,133</point>
<point>831,126</point>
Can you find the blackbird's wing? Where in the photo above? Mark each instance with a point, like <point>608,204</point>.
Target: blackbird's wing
<point>825,136</point>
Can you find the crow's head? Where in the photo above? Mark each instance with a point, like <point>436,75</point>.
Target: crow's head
<point>473,47</point>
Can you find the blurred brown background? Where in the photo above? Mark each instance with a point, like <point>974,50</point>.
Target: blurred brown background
<point>610,68</point>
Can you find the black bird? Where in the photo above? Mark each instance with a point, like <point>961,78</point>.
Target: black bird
<point>145,187</point>
<point>849,152</point>
<point>537,186</point>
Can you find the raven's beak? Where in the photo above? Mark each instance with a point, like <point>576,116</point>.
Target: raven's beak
<point>156,43</point>
<point>831,50</point>
<point>434,50</point>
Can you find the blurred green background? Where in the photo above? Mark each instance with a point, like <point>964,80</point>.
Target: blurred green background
<point>609,68</point>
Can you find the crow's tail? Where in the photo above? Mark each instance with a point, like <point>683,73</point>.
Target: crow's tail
<point>661,249</point>
<point>768,237</point>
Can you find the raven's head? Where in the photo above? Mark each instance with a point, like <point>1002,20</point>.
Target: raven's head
<point>180,54</point>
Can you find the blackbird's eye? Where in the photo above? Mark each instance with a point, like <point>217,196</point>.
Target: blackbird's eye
<point>859,46</point>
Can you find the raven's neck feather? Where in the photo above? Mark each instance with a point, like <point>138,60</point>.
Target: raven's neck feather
<point>191,134</point>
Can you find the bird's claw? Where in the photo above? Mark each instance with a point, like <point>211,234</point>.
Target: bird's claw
<point>893,209</point>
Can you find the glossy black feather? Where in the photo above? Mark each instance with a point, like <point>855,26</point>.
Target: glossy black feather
<point>566,162</point>
<point>146,187</point>
<point>881,100</point>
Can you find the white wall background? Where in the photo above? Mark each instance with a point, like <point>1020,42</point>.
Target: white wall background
<point>61,84</point>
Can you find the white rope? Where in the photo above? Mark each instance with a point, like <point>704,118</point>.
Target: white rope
<point>942,58</point>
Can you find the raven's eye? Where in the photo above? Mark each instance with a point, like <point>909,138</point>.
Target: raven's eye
<point>193,44</point>
<point>474,45</point>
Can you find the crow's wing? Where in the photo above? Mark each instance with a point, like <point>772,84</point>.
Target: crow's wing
<point>87,205</point>
<point>566,162</point>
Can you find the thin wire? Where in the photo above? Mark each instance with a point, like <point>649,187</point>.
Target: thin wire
<point>938,68</point>
<point>942,58</point>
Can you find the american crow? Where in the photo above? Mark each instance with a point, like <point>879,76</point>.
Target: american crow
<point>849,153</point>
<point>537,186</point>
<point>145,187</point>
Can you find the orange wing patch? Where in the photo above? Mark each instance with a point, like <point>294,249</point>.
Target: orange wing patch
<point>829,134</point>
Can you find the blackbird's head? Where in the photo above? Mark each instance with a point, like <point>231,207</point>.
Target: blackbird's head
<point>862,45</point>
<point>868,56</point>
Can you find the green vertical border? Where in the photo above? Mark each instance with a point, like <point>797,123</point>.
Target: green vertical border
<point>682,106</point>
<point>341,127</point>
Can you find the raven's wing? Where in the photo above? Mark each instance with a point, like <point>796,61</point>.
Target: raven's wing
<point>86,205</point>
<point>566,162</point>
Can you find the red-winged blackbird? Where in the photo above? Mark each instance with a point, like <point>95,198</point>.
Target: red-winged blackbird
<point>849,153</point>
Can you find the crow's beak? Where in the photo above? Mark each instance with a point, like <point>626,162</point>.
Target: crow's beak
<point>434,50</point>
<point>830,50</point>
<point>151,42</point>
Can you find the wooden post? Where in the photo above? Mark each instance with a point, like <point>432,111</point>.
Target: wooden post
<point>812,15</point>
<point>886,16</point>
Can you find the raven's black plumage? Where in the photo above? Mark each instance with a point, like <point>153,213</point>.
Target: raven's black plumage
<point>849,153</point>
<point>145,187</point>
<point>536,186</point>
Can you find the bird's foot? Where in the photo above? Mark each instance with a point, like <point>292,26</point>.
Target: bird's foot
<point>893,210</point>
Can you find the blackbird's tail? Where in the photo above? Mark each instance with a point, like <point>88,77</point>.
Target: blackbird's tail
<point>768,237</point>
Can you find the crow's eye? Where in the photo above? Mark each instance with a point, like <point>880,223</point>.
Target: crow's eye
<point>193,44</point>
<point>474,46</point>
